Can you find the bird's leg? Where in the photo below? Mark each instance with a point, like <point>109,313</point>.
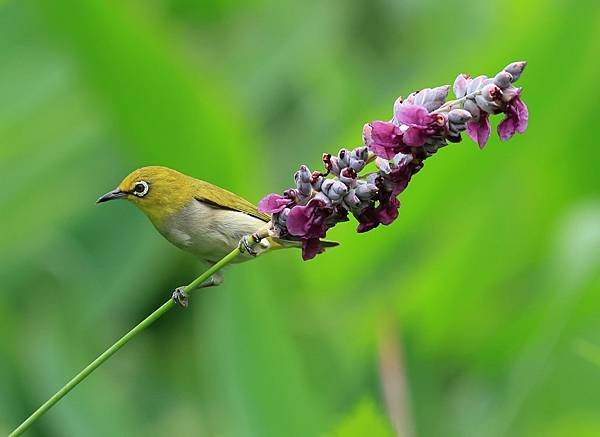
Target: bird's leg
<point>181,298</point>
<point>245,244</point>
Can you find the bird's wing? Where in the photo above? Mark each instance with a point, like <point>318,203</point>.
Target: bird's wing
<point>220,198</point>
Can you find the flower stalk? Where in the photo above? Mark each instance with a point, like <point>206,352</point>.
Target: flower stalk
<point>158,313</point>
<point>452,104</point>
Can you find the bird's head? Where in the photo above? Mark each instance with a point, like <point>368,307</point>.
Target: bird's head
<point>157,191</point>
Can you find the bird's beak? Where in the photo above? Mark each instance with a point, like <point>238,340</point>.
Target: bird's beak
<point>111,195</point>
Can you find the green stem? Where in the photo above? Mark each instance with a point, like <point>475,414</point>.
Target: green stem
<point>120,343</point>
<point>451,104</point>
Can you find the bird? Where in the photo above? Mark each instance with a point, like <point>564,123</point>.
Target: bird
<point>200,218</point>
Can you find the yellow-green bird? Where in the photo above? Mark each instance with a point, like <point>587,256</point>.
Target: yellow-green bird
<point>198,217</point>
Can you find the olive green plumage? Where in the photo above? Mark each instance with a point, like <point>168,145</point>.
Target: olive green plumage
<point>171,190</point>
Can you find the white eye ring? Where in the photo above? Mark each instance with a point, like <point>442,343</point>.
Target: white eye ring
<point>144,191</point>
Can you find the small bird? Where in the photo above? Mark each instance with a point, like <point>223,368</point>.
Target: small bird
<point>199,217</point>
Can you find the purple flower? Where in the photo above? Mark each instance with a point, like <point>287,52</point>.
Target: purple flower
<point>421,124</point>
<point>383,138</point>
<point>392,180</point>
<point>430,98</point>
<point>516,118</point>
<point>309,221</point>
<point>480,130</point>
<point>387,211</point>
<point>394,183</point>
<point>489,99</point>
<point>310,248</point>
<point>367,220</point>
<point>461,84</point>
<point>273,203</point>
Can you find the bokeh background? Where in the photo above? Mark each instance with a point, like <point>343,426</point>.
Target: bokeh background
<point>476,314</point>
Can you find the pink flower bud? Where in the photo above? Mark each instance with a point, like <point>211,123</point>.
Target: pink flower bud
<point>515,69</point>
<point>458,116</point>
<point>503,79</point>
<point>488,99</point>
<point>473,109</point>
<point>460,85</point>
<point>361,153</point>
<point>351,199</point>
<point>348,176</point>
<point>344,158</point>
<point>475,84</point>
<point>366,191</point>
<point>431,98</point>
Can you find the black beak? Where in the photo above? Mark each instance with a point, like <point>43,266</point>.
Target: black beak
<point>111,195</point>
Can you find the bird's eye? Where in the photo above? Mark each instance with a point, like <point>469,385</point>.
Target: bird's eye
<point>140,188</point>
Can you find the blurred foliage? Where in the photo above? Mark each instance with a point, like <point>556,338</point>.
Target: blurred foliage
<point>363,420</point>
<point>493,269</point>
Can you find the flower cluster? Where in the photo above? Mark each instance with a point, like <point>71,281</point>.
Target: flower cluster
<point>421,124</point>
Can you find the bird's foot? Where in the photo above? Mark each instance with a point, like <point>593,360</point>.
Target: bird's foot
<point>180,297</point>
<point>246,246</point>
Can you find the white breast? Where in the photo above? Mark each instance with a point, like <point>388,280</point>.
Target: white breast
<point>208,232</point>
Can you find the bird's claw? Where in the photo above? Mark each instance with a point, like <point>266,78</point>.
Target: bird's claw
<point>245,245</point>
<point>180,297</point>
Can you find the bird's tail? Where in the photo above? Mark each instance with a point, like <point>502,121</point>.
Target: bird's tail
<point>326,244</point>
<point>278,243</point>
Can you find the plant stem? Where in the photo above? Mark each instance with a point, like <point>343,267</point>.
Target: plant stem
<point>449,105</point>
<point>121,342</point>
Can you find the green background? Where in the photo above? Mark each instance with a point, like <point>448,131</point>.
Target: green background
<point>478,309</point>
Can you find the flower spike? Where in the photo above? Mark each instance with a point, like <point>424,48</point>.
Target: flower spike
<point>421,124</point>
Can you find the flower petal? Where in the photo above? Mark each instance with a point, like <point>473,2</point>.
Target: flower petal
<point>515,120</point>
<point>273,203</point>
<point>506,128</point>
<point>383,165</point>
<point>367,220</point>
<point>522,114</point>
<point>388,212</point>
<point>412,115</point>
<point>310,248</point>
<point>414,136</point>
<point>460,85</point>
<point>383,138</point>
<point>480,130</point>
<point>297,220</point>
<point>308,221</point>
